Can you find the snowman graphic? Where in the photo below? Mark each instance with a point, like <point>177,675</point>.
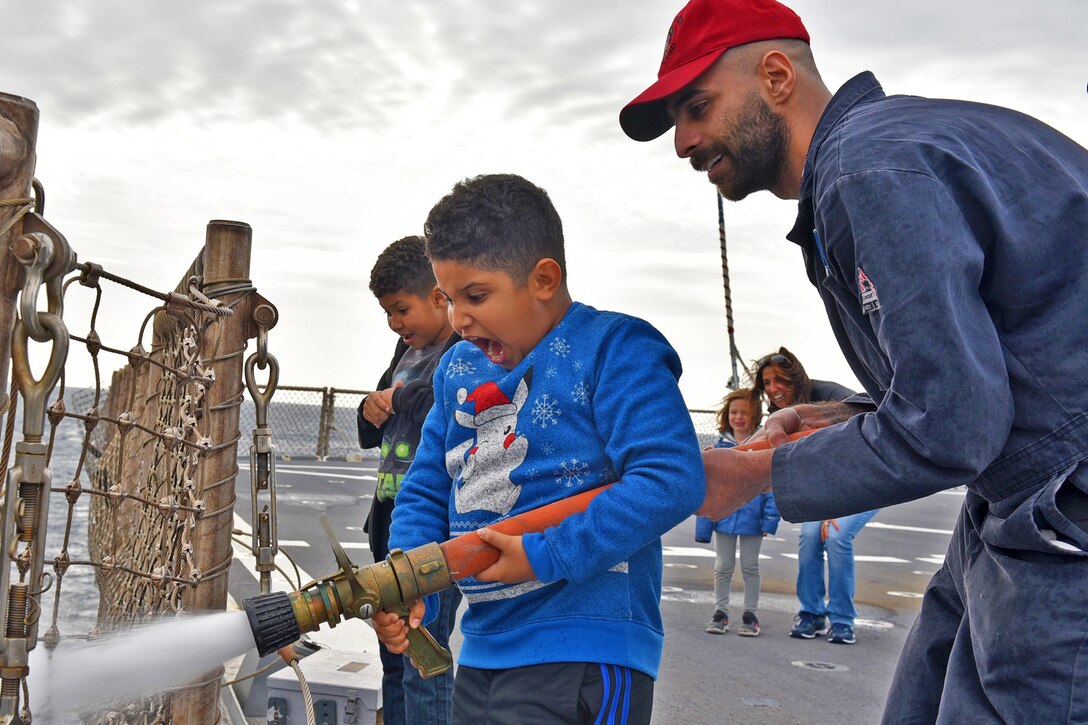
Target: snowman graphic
<point>485,462</point>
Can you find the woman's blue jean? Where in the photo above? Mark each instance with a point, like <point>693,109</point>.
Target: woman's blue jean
<point>839,587</point>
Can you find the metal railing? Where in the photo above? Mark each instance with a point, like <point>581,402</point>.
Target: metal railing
<point>313,422</point>
<point>319,423</point>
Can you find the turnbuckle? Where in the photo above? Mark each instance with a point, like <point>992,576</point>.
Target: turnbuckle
<point>262,453</point>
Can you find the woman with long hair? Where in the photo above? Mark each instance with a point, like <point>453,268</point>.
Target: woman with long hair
<point>781,377</point>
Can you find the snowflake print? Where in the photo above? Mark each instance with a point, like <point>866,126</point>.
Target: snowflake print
<point>546,411</point>
<point>608,475</point>
<point>578,364</point>
<point>551,372</point>
<point>571,473</point>
<point>560,347</point>
<point>580,394</point>
<point>548,449</point>
<point>460,367</point>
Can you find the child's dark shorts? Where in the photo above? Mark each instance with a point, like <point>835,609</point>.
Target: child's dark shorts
<point>562,692</point>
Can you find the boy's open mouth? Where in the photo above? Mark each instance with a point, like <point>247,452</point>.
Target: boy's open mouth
<point>492,348</point>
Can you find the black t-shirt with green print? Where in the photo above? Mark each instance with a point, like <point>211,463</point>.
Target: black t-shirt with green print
<point>399,437</point>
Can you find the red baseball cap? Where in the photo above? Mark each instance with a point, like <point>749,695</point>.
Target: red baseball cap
<point>701,32</point>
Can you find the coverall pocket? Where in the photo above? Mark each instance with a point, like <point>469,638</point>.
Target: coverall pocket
<point>1062,510</point>
<point>1050,521</point>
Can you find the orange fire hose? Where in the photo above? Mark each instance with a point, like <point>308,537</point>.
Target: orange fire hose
<point>467,554</point>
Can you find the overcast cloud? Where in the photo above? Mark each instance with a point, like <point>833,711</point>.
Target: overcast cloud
<point>332,127</point>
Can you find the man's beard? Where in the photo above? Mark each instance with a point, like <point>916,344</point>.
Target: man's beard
<point>756,151</point>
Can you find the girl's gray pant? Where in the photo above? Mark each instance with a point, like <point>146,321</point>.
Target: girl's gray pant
<point>725,545</point>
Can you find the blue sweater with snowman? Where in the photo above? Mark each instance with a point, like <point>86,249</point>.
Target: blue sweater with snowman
<point>595,401</point>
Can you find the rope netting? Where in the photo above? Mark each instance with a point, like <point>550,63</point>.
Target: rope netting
<point>142,459</point>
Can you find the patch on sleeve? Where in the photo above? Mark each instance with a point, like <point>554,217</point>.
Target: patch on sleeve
<point>870,303</point>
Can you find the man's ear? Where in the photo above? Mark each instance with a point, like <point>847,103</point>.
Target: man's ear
<point>777,77</point>
<point>546,279</point>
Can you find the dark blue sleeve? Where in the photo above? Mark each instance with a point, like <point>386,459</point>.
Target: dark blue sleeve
<point>948,408</point>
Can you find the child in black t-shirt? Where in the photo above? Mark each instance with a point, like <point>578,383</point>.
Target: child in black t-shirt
<point>392,417</point>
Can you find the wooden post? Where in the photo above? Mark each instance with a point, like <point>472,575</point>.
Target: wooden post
<point>226,267</point>
<point>18,137</point>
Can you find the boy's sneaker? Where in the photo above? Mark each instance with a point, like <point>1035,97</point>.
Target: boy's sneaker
<point>749,626</point>
<point>841,634</point>
<point>809,626</point>
<point>719,623</point>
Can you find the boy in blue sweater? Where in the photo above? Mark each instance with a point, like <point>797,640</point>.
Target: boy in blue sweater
<point>543,399</point>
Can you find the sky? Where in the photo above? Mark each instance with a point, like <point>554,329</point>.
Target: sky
<point>332,127</point>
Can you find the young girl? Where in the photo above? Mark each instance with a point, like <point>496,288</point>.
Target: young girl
<point>739,417</point>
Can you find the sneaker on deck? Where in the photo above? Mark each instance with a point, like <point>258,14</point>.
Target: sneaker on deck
<point>809,626</point>
<point>841,634</point>
<point>719,623</point>
<point>749,626</point>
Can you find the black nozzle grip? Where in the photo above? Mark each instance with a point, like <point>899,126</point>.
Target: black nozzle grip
<point>272,620</point>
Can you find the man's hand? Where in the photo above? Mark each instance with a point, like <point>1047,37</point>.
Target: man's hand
<point>824,529</point>
<point>513,565</point>
<point>393,631</point>
<point>378,406</point>
<point>809,416</point>
<point>780,424</point>
<point>733,478</point>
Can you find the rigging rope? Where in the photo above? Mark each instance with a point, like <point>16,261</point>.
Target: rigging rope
<point>734,355</point>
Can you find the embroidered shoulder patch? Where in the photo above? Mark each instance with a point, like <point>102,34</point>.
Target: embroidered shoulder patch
<point>870,303</point>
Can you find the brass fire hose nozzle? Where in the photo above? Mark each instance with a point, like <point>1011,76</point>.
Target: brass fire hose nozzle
<point>279,618</point>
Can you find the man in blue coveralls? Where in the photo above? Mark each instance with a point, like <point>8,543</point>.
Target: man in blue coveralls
<point>949,244</point>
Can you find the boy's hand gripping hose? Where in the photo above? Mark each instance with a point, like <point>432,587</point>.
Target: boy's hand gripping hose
<point>279,618</point>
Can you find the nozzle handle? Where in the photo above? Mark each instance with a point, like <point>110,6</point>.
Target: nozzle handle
<point>429,657</point>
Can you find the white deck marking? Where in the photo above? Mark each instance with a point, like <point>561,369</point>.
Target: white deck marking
<point>351,634</point>
<point>938,560</point>
<point>333,478</point>
<point>331,474</point>
<point>244,555</point>
<point>898,527</point>
<point>311,467</point>
<point>870,559</point>
<point>688,551</point>
<point>306,544</point>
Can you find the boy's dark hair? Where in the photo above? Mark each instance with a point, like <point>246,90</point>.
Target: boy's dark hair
<point>403,265</point>
<point>496,221</point>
